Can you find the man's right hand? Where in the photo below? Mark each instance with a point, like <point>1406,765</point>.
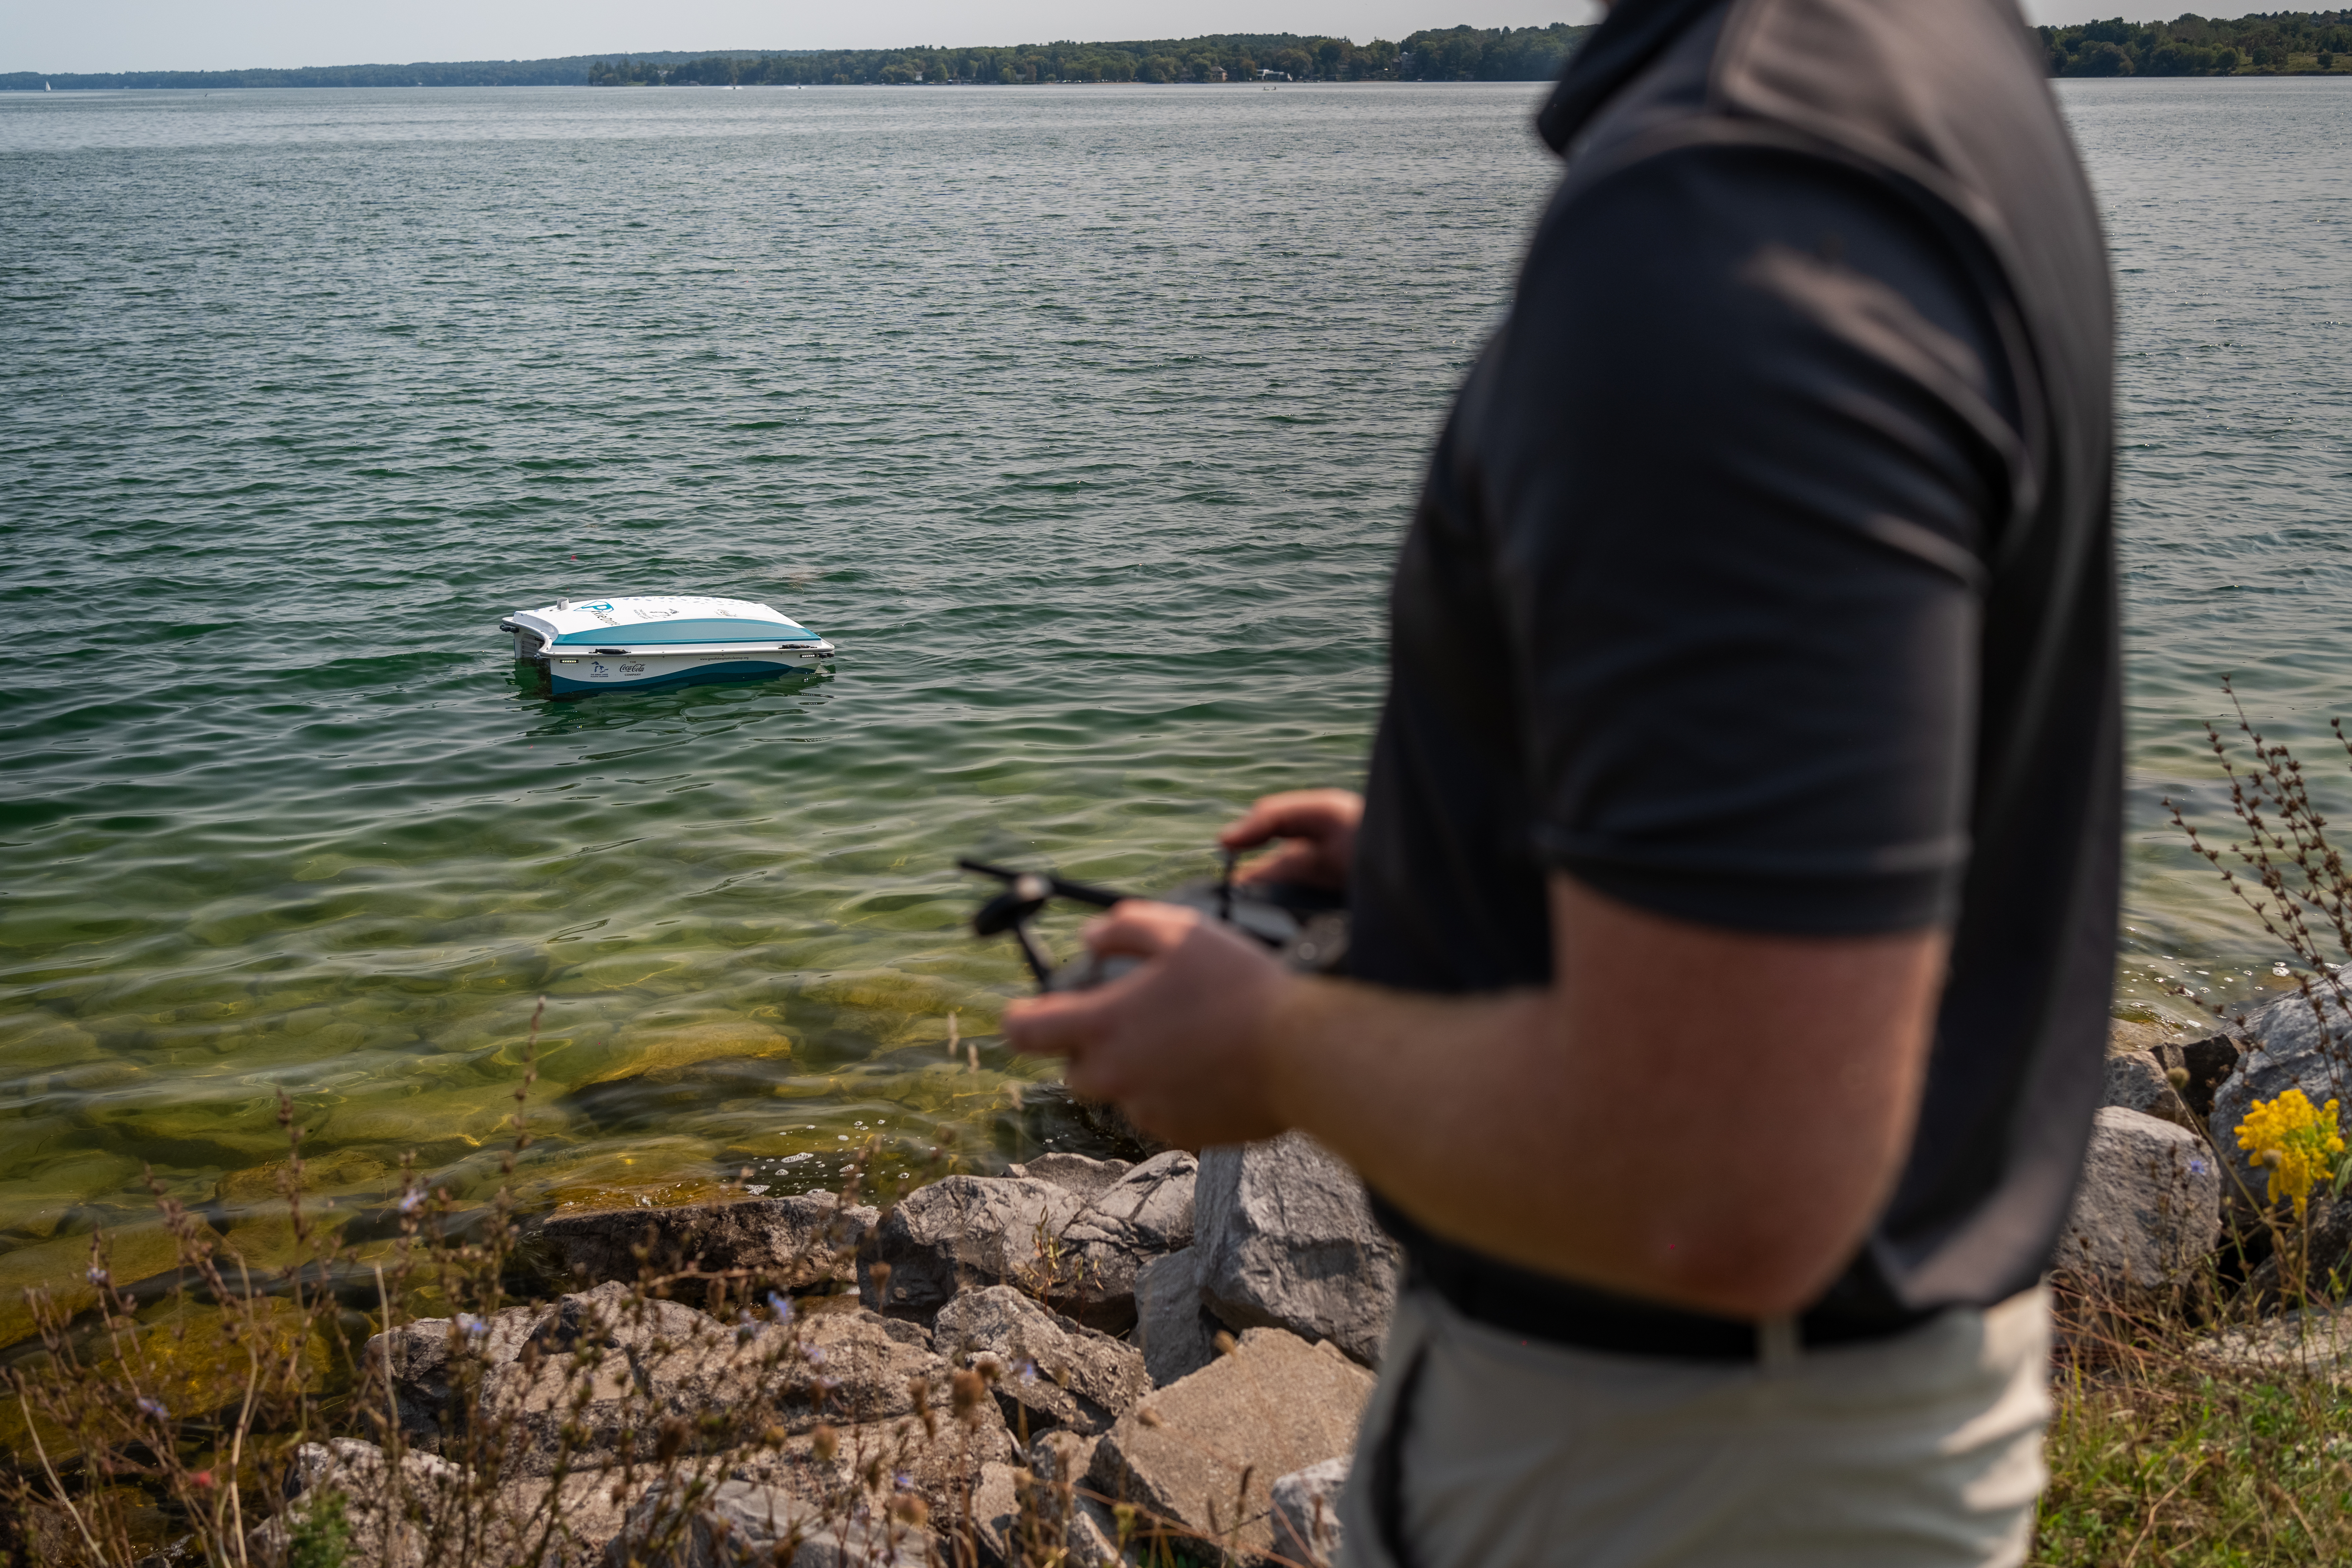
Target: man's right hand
<point>1319,825</point>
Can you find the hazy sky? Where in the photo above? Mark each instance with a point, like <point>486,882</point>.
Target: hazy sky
<point>159,35</point>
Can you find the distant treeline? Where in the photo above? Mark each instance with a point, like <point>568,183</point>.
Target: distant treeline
<point>571,70</point>
<point>2281,42</point>
<point>1450,54</point>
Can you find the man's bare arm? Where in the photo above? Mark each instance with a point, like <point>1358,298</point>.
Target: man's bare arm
<point>1692,1115</point>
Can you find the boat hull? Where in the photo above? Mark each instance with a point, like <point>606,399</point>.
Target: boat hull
<point>582,675</point>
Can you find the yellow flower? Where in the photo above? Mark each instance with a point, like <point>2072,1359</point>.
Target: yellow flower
<point>2295,1142</point>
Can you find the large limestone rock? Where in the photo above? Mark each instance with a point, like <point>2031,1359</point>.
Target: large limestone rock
<point>2147,1212</point>
<point>2291,1051</point>
<point>754,1524</point>
<point>600,1374</point>
<point>1176,1331</point>
<point>1076,1247</point>
<point>783,1242</point>
<point>1205,1452</point>
<point>1048,1370</point>
<point>1307,1512</point>
<point>1287,1239</point>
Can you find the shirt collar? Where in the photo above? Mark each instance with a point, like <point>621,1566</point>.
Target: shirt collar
<point>1628,38</point>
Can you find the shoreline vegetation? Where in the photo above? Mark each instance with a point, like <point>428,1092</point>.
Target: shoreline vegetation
<point>2283,43</point>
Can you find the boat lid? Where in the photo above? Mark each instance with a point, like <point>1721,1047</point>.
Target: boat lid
<point>643,620</point>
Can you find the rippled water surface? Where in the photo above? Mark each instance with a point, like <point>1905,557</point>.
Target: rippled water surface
<point>1084,420</point>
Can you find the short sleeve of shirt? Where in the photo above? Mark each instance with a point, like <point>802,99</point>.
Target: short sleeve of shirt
<point>1744,447</point>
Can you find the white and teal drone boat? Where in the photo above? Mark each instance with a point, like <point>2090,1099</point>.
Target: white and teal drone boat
<point>634,641</point>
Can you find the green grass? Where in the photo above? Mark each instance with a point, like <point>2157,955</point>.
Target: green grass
<point>2161,1457</point>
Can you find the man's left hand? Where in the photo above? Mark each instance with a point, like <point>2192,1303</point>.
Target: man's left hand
<point>1183,1045</point>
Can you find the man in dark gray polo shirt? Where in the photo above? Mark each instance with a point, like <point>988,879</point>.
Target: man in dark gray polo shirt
<point>1735,885</point>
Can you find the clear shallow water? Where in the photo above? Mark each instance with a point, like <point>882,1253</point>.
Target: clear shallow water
<point>2232,245</point>
<point>1084,420</point>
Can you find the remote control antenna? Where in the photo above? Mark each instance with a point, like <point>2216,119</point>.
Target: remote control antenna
<point>1225,886</point>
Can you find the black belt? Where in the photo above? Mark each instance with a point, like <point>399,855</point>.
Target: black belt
<point>1538,1307</point>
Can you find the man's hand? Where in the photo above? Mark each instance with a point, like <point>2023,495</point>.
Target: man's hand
<point>1701,1117</point>
<point>1180,1044</point>
<point>1320,825</point>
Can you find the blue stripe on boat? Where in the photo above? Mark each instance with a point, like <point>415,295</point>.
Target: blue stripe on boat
<point>730,669</point>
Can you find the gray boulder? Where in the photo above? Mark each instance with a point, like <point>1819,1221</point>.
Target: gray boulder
<point>2135,1081</point>
<point>1201,1455</point>
<point>1078,1248</point>
<point>1176,1331</point>
<point>2147,1212</point>
<point>783,1242</point>
<point>2291,1051</point>
<point>1148,1212</point>
<point>1048,1370</point>
<point>1307,1512</point>
<point>965,1231</point>
<point>755,1525</point>
<point>1287,1239</point>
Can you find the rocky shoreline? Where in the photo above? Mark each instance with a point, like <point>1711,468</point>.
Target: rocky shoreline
<point>1187,1339</point>
<point>1188,1342</point>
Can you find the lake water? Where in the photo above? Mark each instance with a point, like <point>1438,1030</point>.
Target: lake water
<point>1084,421</point>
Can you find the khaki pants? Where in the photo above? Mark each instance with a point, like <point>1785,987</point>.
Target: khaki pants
<point>1920,1451</point>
